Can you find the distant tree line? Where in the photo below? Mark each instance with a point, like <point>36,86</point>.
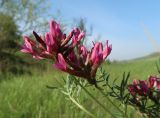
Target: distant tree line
<point>18,17</point>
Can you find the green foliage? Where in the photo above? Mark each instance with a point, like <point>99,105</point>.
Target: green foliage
<point>118,91</point>
<point>27,13</point>
<point>139,69</point>
<point>9,34</point>
<point>28,96</point>
<point>10,60</point>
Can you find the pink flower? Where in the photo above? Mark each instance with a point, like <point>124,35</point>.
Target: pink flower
<point>78,36</point>
<point>27,47</point>
<point>55,30</point>
<point>98,55</point>
<point>68,52</point>
<point>107,50</point>
<point>145,88</point>
<point>132,89</point>
<point>139,88</point>
<point>61,64</point>
<point>84,63</point>
<point>51,45</point>
<point>83,52</point>
<point>54,42</point>
<point>152,82</point>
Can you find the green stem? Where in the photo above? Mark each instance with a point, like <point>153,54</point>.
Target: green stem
<point>95,99</point>
<point>110,101</point>
<point>80,106</point>
<point>125,110</point>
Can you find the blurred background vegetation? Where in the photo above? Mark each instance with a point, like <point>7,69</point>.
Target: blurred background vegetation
<point>17,18</point>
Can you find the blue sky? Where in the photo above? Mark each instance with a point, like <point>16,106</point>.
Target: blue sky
<point>122,22</point>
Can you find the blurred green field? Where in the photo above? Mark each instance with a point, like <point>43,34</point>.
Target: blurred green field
<point>28,97</point>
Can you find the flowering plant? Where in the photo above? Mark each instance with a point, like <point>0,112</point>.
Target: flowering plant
<point>71,56</point>
<point>146,96</point>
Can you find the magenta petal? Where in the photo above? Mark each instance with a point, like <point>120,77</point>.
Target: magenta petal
<point>135,82</point>
<point>25,51</point>
<point>49,49</point>
<point>72,57</point>
<point>61,64</point>
<point>107,50</point>
<point>50,43</point>
<point>55,29</point>
<point>132,89</point>
<point>27,43</point>
<point>83,51</point>
<point>153,81</point>
<point>52,28</point>
<point>97,54</point>
<point>81,36</point>
<point>76,32</point>
<point>94,52</point>
<point>49,39</point>
<point>99,59</point>
<point>27,47</point>
<point>144,87</point>
<point>100,48</point>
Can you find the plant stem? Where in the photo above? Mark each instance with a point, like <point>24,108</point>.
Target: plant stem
<point>96,100</point>
<point>80,106</point>
<point>110,101</point>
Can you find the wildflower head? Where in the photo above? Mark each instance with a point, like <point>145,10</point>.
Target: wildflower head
<point>54,42</point>
<point>154,82</point>
<point>148,89</point>
<point>84,63</point>
<point>138,88</point>
<point>67,52</point>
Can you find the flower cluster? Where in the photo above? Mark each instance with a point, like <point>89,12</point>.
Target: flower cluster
<point>69,54</point>
<point>53,43</point>
<point>148,89</point>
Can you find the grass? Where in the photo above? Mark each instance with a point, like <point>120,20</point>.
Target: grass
<point>139,68</point>
<point>28,97</point>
